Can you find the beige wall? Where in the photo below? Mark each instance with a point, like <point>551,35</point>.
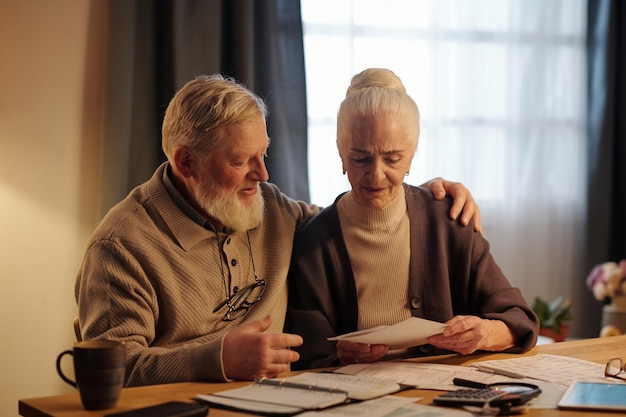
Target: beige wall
<point>51,54</point>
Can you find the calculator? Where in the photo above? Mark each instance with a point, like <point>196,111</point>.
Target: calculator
<point>476,397</point>
<point>503,395</point>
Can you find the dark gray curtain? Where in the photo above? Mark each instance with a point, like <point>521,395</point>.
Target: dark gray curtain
<point>157,46</point>
<point>606,230</point>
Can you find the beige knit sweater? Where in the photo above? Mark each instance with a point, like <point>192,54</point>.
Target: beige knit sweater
<point>378,245</point>
<point>151,278</point>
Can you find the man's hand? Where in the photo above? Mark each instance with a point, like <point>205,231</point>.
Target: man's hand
<point>462,201</point>
<point>248,353</point>
<point>467,334</point>
<point>351,352</point>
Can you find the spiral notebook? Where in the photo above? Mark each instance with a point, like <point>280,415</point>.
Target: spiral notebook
<point>305,391</point>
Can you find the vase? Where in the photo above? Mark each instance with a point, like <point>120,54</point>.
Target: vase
<point>614,314</point>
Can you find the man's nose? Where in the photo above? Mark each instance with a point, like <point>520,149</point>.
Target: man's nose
<point>260,171</point>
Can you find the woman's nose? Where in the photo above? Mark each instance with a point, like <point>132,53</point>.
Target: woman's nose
<point>378,170</point>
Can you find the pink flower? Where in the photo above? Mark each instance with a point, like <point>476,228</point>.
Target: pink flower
<point>607,280</point>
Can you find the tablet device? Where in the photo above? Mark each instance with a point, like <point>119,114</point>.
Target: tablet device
<point>583,395</point>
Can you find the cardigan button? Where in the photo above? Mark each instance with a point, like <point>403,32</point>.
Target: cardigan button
<point>416,302</point>
<point>233,262</point>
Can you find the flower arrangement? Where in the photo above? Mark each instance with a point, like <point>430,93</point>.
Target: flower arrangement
<point>607,280</point>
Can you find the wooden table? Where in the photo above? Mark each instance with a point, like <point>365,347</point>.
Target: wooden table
<point>597,350</point>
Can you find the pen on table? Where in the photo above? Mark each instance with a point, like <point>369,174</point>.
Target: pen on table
<point>467,383</point>
<point>502,372</point>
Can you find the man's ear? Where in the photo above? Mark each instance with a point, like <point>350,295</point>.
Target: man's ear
<point>185,162</point>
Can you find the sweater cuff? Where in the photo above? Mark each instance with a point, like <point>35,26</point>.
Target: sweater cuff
<point>206,361</point>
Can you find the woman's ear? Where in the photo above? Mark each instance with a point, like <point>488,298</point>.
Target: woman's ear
<point>185,162</point>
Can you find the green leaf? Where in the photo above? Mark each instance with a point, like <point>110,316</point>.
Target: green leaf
<point>554,313</point>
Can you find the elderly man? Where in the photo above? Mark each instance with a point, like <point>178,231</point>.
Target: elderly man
<point>189,270</point>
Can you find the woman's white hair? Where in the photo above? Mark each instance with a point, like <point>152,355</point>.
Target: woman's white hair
<point>372,92</point>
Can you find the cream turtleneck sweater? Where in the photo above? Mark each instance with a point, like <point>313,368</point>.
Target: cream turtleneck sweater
<point>378,245</point>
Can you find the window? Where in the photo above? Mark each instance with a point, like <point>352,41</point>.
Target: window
<point>501,90</point>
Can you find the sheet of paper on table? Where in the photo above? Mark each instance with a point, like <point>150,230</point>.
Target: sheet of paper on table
<point>561,370</point>
<point>440,376</point>
<point>421,375</point>
<point>388,406</point>
<point>410,332</point>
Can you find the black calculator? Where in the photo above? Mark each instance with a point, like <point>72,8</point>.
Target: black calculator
<point>476,397</point>
<point>502,395</point>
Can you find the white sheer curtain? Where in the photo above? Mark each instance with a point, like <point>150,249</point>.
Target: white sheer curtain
<point>501,90</point>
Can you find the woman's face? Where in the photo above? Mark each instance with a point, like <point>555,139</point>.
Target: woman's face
<point>376,156</point>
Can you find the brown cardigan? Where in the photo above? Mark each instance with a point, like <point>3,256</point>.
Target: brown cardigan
<point>451,273</point>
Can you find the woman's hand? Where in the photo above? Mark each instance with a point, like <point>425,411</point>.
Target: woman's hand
<point>351,352</point>
<point>467,334</point>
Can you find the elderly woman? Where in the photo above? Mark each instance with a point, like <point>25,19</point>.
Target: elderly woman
<point>387,251</point>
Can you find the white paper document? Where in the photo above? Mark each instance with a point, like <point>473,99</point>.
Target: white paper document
<point>389,406</point>
<point>378,407</point>
<point>561,370</point>
<point>421,375</point>
<point>440,376</point>
<point>407,333</point>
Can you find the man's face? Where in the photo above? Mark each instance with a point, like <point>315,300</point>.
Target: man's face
<point>228,184</point>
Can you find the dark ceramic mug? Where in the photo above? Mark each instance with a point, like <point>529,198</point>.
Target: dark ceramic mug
<point>99,367</point>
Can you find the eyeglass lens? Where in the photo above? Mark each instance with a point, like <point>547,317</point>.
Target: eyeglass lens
<point>244,299</point>
<point>614,367</point>
<point>249,294</point>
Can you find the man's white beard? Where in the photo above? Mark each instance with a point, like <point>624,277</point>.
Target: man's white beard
<point>226,207</point>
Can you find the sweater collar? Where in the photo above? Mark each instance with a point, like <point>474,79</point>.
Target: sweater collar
<point>187,229</point>
<point>372,219</point>
<point>180,201</point>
